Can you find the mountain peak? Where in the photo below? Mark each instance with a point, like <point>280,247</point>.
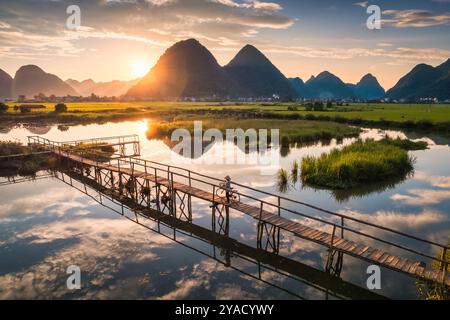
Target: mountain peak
<point>252,70</point>
<point>368,76</point>
<point>368,88</point>
<point>30,68</point>
<point>31,80</point>
<point>444,67</point>
<point>326,75</point>
<point>5,84</point>
<point>186,69</point>
<point>249,55</point>
<point>368,79</point>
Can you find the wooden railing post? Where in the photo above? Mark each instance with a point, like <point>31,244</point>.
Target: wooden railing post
<point>445,264</point>
<point>279,206</point>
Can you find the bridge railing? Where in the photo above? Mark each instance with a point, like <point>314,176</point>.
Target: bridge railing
<point>280,205</point>
<point>272,202</point>
<point>79,146</point>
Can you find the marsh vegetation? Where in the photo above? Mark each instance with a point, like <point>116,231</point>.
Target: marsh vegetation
<point>361,163</point>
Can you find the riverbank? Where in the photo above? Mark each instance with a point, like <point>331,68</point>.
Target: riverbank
<point>435,118</point>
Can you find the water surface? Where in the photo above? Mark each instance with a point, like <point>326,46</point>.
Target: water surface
<point>47,225</point>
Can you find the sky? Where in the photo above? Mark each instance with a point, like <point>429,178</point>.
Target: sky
<point>123,39</point>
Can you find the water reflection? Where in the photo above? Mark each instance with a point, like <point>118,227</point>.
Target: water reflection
<point>344,195</point>
<point>134,263</point>
<point>104,247</point>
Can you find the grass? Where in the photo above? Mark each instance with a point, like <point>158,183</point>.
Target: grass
<point>360,163</point>
<point>294,172</point>
<point>410,116</point>
<point>27,165</point>
<point>30,164</point>
<point>435,290</point>
<point>8,148</point>
<point>291,132</point>
<point>95,152</point>
<point>282,180</point>
<point>389,112</point>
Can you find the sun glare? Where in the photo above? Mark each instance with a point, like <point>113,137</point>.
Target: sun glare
<point>140,68</point>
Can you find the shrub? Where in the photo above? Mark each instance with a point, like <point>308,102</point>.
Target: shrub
<point>318,106</point>
<point>357,164</point>
<point>60,107</point>
<point>3,107</point>
<point>282,180</point>
<point>285,142</point>
<point>25,109</point>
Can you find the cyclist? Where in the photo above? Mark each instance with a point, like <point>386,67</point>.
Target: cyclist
<point>228,188</point>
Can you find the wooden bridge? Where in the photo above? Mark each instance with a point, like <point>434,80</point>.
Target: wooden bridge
<point>170,191</point>
<point>225,249</point>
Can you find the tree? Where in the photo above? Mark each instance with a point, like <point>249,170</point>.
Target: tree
<point>318,106</point>
<point>3,107</point>
<point>60,107</point>
<point>329,105</point>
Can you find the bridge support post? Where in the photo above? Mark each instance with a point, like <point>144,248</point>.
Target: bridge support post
<point>334,267</point>
<point>221,219</point>
<point>268,237</point>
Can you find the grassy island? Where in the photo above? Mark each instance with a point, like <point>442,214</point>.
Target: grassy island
<point>360,163</point>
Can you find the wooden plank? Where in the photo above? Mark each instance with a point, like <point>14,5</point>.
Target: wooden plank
<point>298,228</point>
<point>377,255</point>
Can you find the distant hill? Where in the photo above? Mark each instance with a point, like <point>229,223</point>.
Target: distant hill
<point>327,86</point>
<point>423,81</point>
<point>31,80</point>
<point>5,85</point>
<point>114,88</point>
<point>187,69</point>
<point>253,72</point>
<point>300,88</point>
<point>368,88</point>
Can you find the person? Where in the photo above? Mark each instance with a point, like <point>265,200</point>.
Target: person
<point>228,188</point>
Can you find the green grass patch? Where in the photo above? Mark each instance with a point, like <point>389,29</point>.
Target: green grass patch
<point>22,161</point>
<point>359,163</point>
<point>435,117</point>
<point>291,132</point>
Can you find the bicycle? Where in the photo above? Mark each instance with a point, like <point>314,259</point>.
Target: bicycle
<point>234,197</point>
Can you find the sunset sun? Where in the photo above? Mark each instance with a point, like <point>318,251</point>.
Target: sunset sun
<point>140,68</point>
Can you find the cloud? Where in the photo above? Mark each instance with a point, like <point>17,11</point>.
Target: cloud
<point>411,55</point>
<point>420,197</point>
<point>363,4</point>
<point>38,28</point>
<point>102,249</point>
<point>414,18</point>
<point>435,181</point>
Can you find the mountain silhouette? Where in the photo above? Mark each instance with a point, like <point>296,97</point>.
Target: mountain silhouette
<point>31,80</point>
<point>299,86</point>
<point>5,85</point>
<point>187,69</point>
<point>253,72</point>
<point>327,86</point>
<point>113,88</point>
<point>423,81</point>
<point>368,88</point>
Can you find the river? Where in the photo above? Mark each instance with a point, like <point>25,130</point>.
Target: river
<point>47,225</point>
